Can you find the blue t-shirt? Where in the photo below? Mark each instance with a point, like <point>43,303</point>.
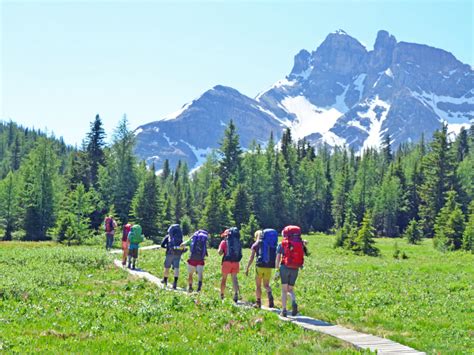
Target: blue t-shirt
<point>280,249</point>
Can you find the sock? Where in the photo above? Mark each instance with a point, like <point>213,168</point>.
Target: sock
<point>165,280</point>
<point>269,294</point>
<point>199,285</point>
<point>175,281</point>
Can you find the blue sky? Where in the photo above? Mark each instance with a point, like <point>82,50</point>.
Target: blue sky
<point>64,61</point>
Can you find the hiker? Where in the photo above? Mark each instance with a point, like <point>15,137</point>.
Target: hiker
<point>109,226</point>
<point>172,243</point>
<point>264,249</point>
<point>125,232</point>
<point>135,237</point>
<point>231,251</point>
<point>198,253</point>
<point>290,258</point>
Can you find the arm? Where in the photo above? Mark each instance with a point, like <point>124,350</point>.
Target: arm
<point>221,249</point>
<point>186,243</point>
<point>278,261</point>
<point>252,256</point>
<point>164,243</point>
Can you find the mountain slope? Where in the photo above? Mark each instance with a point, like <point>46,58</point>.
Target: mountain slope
<point>339,94</point>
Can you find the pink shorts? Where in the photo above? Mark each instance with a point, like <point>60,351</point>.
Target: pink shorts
<point>230,267</point>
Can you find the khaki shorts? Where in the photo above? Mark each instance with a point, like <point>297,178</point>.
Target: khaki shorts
<point>264,273</point>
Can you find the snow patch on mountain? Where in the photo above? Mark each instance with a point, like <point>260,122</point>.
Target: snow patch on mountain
<point>377,114</point>
<point>309,118</point>
<point>175,114</point>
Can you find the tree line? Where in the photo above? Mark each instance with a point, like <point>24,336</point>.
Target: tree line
<point>420,190</point>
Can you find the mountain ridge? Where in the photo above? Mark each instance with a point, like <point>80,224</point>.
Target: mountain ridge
<point>339,94</point>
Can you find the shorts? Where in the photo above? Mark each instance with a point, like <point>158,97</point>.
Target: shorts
<point>264,273</point>
<point>172,260</point>
<point>196,262</point>
<point>230,267</point>
<point>288,276</point>
<point>133,253</point>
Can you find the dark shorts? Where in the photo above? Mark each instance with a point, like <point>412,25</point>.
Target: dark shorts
<point>172,260</point>
<point>288,276</point>
<point>133,253</point>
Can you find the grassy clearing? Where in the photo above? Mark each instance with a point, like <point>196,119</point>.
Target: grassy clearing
<point>426,301</point>
<point>55,299</point>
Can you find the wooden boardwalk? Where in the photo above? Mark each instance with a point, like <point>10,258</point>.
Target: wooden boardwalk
<point>357,339</point>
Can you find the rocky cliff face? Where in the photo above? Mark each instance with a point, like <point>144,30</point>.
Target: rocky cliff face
<point>340,94</point>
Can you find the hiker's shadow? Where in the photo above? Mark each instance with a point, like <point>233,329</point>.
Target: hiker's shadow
<point>300,318</point>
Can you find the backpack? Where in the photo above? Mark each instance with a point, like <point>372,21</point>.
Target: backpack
<point>267,248</point>
<point>126,230</point>
<point>109,224</point>
<point>175,237</point>
<point>293,247</point>
<point>199,245</point>
<point>135,235</point>
<point>234,247</point>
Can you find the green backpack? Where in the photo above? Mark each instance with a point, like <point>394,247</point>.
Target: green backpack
<point>136,236</point>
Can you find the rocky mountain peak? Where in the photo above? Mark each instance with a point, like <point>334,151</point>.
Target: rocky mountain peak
<point>381,56</point>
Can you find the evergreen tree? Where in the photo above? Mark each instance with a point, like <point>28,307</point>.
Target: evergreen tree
<point>468,235</point>
<point>240,206</point>
<point>248,231</point>
<point>387,150</point>
<point>461,145</point>
<point>73,221</point>
<point>449,226</point>
<point>229,166</point>
<point>437,168</point>
<point>145,204</point>
<point>124,179</point>
<point>412,233</point>
<point>38,193</point>
<point>364,242</point>
<point>387,206</point>
<point>9,208</point>
<point>95,149</point>
<point>214,217</point>
<point>340,192</point>
<point>166,170</point>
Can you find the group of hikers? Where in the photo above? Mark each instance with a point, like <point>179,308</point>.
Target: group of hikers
<point>286,257</point>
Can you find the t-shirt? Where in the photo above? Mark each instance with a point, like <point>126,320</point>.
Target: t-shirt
<point>280,249</point>
<point>223,246</point>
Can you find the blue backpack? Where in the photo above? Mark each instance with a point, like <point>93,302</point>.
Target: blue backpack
<point>234,247</point>
<point>267,248</point>
<point>175,237</point>
<point>199,245</point>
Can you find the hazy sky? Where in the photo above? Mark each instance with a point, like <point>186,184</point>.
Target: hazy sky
<point>64,61</point>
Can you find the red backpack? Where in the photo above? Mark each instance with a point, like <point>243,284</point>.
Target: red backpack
<point>126,230</point>
<point>293,247</point>
<point>109,224</point>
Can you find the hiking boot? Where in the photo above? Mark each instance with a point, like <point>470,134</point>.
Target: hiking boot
<point>190,289</point>
<point>284,313</point>
<point>271,303</point>
<point>129,265</point>
<point>164,281</point>
<point>222,296</point>
<point>174,285</point>
<point>236,298</point>
<point>258,304</point>
<point>294,309</point>
<point>199,286</point>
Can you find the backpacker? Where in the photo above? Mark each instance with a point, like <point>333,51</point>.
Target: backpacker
<point>175,238</point>
<point>267,248</point>
<point>293,247</point>
<point>109,224</point>
<point>199,245</point>
<point>126,230</point>
<point>234,248</point>
<point>135,235</point>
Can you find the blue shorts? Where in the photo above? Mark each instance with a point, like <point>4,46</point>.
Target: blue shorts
<point>172,260</point>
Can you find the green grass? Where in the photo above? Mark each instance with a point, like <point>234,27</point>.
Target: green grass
<point>56,299</point>
<point>426,301</point>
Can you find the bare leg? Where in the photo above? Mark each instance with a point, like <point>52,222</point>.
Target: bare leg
<point>258,291</point>
<point>284,291</point>
<point>223,283</point>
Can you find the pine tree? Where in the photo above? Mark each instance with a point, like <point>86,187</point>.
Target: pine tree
<point>166,170</point>
<point>124,179</point>
<point>468,235</point>
<point>387,206</point>
<point>449,225</point>
<point>229,166</point>
<point>364,242</point>
<point>9,207</point>
<point>240,206</point>
<point>437,168</point>
<point>145,204</point>
<point>38,193</point>
<point>387,150</point>
<point>461,145</point>
<point>340,193</point>
<point>214,217</point>
<point>74,221</point>
<point>248,231</point>
<point>95,149</point>
<point>412,233</point>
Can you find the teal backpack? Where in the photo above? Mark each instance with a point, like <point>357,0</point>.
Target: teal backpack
<point>136,236</point>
